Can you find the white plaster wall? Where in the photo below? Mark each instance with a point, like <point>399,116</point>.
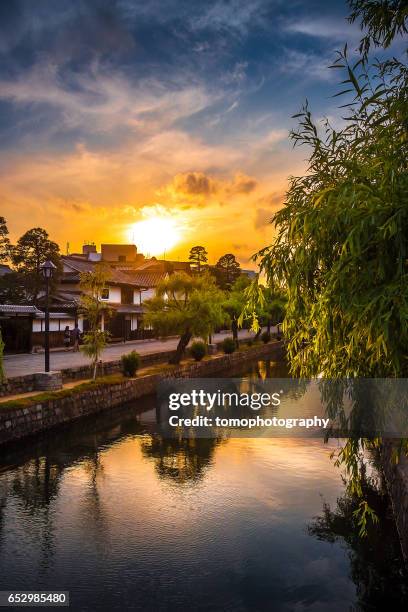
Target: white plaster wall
<point>114,295</point>
<point>55,324</point>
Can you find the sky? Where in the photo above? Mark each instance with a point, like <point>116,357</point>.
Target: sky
<point>117,112</point>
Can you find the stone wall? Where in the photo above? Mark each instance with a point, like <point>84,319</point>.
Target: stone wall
<point>25,384</point>
<point>67,405</point>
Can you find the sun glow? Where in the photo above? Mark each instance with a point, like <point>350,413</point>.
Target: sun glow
<point>155,235</point>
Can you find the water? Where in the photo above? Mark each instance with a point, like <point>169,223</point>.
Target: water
<point>125,520</point>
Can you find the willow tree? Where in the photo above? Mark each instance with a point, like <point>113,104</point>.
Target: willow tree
<point>185,305</point>
<point>342,236</point>
<point>341,251</point>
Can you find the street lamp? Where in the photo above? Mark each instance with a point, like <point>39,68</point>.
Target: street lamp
<point>47,270</point>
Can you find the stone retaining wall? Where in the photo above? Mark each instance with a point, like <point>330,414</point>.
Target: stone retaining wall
<point>18,422</point>
<point>25,384</point>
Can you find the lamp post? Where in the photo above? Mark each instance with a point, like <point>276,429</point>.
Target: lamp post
<point>47,270</point>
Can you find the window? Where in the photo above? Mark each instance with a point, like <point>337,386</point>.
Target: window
<point>127,295</point>
<point>122,258</point>
<point>105,294</point>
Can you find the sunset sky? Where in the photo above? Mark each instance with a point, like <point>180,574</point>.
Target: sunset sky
<point>114,112</point>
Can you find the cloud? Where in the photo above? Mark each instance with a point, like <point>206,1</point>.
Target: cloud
<point>262,217</point>
<point>307,65</point>
<point>266,207</point>
<point>234,16</point>
<point>242,184</point>
<point>201,189</point>
<point>194,183</point>
<point>102,101</point>
<point>335,29</point>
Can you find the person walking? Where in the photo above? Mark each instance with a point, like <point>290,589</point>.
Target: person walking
<point>76,335</point>
<point>67,338</point>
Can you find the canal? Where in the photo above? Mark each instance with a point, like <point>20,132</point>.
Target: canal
<point>125,520</point>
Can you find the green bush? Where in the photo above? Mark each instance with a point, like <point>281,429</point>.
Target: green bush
<point>130,363</point>
<point>265,337</point>
<point>197,350</point>
<point>228,345</point>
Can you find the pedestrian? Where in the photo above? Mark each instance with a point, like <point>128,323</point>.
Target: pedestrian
<point>67,338</point>
<point>76,335</point>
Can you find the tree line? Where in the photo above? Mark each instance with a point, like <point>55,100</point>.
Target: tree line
<point>226,270</point>
<point>24,283</point>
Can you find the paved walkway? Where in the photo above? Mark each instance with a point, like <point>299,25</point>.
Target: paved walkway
<point>18,365</point>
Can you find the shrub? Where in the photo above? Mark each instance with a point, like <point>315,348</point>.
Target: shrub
<point>130,363</point>
<point>250,342</point>
<point>228,345</point>
<point>265,337</point>
<point>198,350</point>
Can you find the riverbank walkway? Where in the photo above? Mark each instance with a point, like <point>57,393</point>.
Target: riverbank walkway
<point>19,365</point>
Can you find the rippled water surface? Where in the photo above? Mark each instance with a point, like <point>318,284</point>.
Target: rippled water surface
<point>126,520</point>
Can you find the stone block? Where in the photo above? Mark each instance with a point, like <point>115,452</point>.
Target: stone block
<point>48,381</point>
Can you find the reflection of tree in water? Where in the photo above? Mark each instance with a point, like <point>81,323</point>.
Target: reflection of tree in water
<point>37,469</point>
<point>180,460</point>
<point>375,559</point>
<point>261,369</point>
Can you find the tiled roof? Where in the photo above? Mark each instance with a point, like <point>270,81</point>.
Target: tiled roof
<point>128,308</point>
<point>80,265</point>
<point>146,278</point>
<point>55,315</point>
<point>19,309</point>
<point>117,277</point>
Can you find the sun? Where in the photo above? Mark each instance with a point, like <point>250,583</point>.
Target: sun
<point>155,235</point>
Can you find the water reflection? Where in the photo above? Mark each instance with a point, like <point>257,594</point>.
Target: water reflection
<point>180,459</point>
<point>376,570</point>
<point>125,519</point>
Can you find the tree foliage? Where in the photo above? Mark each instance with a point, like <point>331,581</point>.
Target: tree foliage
<point>342,243</point>
<point>93,308</point>
<point>226,271</point>
<point>382,20</point>
<point>187,306</point>
<point>198,258</point>
<point>5,245</point>
<point>234,303</point>
<point>341,252</point>
<point>15,288</point>
<point>32,249</point>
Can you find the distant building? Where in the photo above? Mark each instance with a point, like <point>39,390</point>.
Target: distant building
<point>16,323</point>
<point>121,254</point>
<point>133,280</point>
<point>125,293</point>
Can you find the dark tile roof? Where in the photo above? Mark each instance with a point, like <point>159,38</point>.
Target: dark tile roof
<point>146,278</point>
<point>19,309</point>
<point>118,277</point>
<point>127,308</point>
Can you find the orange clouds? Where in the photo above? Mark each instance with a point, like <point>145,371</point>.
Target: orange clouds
<point>198,188</point>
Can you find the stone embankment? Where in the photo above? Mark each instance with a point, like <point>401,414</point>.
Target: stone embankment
<point>37,413</point>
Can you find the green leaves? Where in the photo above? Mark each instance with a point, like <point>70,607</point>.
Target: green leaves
<point>186,304</point>
<point>342,236</point>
